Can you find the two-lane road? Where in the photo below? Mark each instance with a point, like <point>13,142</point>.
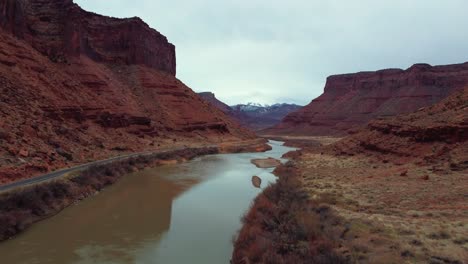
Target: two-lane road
<point>60,173</point>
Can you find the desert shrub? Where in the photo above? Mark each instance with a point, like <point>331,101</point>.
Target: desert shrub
<point>285,226</point>
<point>407,254</point>
<point>132,162</point>
<point>460,241</point>
<point>4,134</point>
<point>439,235</point>
<point>144,159</point>
<point>65,154</point>
<point>20,209</point>
<point>28,199</point>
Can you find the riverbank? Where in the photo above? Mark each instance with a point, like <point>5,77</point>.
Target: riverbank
<point>266,163</point>
<point>303,142</point>
<point>384,212</point>
<point>285,226</point>
<point>23,207</point>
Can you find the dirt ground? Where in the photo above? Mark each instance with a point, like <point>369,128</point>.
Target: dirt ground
<point>266,163</point>
<point>396,213</point>
<point>303,141</point>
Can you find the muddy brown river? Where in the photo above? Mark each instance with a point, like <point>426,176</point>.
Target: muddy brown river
<point>184,213</point>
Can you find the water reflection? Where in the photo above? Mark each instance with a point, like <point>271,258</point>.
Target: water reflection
<point>105,229</point>
<point>186,213</point>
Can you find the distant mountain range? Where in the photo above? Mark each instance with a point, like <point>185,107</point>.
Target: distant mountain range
<point>253,115</point>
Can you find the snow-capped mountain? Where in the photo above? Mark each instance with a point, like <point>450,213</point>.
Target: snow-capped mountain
<point>275,110</point>
<point>249,107</point>
<point>253,115</point>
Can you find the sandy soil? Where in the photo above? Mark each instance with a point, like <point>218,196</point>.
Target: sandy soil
<point>266,163</point>
<point>303,142</point>
<point>397,213</point>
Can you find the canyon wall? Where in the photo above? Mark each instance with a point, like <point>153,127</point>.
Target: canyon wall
<point>211,98</point>
<point>77,87</point>
<point>437,135</point>
<point>60,29</point>
<point>351,100</point>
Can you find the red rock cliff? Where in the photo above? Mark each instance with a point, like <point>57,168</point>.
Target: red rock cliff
<point>61,30</point>
<point>352,100</point>
<point>437,134</point>
<point>78,87</point>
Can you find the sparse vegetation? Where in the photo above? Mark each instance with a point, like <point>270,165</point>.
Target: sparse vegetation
<point>461,241</point>
<point>3,134</point>
<point>21,208</point>
<point>407,254</point>
<point>439,235</point>
<point>285,226</point>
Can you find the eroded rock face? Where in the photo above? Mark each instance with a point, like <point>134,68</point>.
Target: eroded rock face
<point>211,98</point>
<point>60,29</point>
<point>351,100</point>
<point>436,134</point>
<point>77,87</point>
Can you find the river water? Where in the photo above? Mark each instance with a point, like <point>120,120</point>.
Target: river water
<point>183,213</point>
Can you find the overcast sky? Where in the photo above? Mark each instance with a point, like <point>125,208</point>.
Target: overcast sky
<point>270,51</point>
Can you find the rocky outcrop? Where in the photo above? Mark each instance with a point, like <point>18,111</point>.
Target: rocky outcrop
<point>257,182</point>
<point>70,98</point>
<point>351,100</point>
<point>61,30</point>
<point>436,134</point>
<point>253,116</point>
<point>211,98</point>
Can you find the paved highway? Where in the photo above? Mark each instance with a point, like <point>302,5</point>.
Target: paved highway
<point>60,173</point>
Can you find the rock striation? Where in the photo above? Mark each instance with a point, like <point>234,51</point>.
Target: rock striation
<point>352,100</point>
<point>436,135</point>
<point>61,30</point>
<point>211,98</point>
<point>77,87</point>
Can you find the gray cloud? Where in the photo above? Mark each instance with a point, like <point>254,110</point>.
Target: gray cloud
<point>267,51</point>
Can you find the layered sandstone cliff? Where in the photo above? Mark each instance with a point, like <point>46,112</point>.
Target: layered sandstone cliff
<point>436,135</point>
<point>351,100</point>
<point>211,98</point>
<point>77,87</point>
<point>60,29</point>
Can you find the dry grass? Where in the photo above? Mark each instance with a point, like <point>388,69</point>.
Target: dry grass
<point>397,214</point>
<point>284,226</point>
